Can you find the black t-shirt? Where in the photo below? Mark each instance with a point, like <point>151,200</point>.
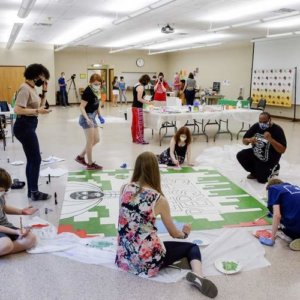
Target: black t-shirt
<point>136,103</point>
<point>91,99</point>
<point>263,150</point>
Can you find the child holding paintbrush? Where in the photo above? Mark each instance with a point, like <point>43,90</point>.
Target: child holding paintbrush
<point>180,147</point>
<point>13,239</point>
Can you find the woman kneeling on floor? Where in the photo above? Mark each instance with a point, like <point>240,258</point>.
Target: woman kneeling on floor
<point>180,147</point>
<point>139,249</point>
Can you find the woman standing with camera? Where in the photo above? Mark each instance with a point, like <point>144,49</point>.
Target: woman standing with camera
<point>90,108</point>
<point>29,104</point>
<point>160,91</point>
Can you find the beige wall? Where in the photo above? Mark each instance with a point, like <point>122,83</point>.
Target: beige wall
<point>77,61</point>
<point>217,64</point>
<point>24,55</point>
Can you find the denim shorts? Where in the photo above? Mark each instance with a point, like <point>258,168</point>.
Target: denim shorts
<point>92,117</point>
<point>13,237</point>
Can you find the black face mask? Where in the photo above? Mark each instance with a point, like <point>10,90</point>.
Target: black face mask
<point>38,82</point>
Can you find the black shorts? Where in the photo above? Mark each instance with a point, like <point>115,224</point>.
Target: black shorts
<point>13,237</point>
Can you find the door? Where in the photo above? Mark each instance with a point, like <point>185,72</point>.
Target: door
<point>11,77</point>
<point>109,83</point>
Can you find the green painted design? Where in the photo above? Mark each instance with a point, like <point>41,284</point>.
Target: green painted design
<point>203,190</point>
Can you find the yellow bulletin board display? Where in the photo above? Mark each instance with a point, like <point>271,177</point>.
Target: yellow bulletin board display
<point>274,85</point>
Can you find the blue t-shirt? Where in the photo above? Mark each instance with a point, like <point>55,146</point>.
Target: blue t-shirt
<point>62,81</point>
<point>122,85</point>
<point>287,196</point>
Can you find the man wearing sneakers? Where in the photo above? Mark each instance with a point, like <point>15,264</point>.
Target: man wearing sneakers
<point>284,204</point>
<point>268,143</point>
<point>90,109</point>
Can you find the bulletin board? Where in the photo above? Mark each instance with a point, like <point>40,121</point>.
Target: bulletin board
<point>275,85</point>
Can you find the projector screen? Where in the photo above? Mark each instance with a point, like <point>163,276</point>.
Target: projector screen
<point>278,54</point>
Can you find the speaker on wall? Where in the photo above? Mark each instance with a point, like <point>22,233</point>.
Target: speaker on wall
<point>216,86</point>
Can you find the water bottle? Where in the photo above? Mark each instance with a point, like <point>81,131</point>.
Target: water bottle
<point>196,105</point>
<point>239,104</point>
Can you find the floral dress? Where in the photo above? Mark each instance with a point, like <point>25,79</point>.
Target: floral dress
<point>139,249</point>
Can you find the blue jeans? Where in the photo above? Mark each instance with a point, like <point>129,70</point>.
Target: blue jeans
<point>63,97</point>
<point>24,130</point>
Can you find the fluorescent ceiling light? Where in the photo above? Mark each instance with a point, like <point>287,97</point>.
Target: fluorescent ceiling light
<point>185,48</point>
<point>288,22</point>
<point>246,8</point>
<point>245,23</point>
<point>161,3</point>
<point>281,16</point>
<point>121,20</point>
<point>13,35</point>
<point>139,12</point>
<point>81,29</point>
<point>188,41</point>
<point>120,50</point>
<point>96,65</point>
<point>279,35</point>
<point>218,29</point>
<point>136,39</point>
<point>118,6</point>
<point>25,8</point>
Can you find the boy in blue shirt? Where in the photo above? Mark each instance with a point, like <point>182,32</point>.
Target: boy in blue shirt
<point>284,204</point>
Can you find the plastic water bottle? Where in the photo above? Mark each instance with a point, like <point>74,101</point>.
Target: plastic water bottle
<point>239,104</point>
<point>196,105</point>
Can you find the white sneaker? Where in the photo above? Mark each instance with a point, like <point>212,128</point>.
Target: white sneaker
<point>283,236</point>
<point>295,245</point>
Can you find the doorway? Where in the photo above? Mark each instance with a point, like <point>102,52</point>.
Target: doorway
<point>11,77</point>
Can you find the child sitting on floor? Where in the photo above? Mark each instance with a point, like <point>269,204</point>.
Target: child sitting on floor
<point>12,239</point>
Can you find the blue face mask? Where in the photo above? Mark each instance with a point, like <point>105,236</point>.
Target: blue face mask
<point>264,126</point>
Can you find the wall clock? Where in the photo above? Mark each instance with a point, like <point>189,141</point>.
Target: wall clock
<point>140,62</point>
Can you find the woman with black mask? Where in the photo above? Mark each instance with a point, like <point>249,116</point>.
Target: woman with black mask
<point>29,104</point>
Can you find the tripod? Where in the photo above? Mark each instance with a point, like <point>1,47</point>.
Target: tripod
<point>74,87</point>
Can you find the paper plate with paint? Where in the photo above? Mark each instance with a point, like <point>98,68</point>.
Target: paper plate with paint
<point>263,233</point>
<point>228,266</point>
<point>201,242</point>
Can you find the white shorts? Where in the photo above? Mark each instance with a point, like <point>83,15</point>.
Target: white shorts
<point>115,92</point>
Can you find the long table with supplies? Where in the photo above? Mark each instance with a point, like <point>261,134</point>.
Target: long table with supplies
<point>158,119</point>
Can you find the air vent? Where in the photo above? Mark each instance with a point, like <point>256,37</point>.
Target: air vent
<point>42,24</point>
<point>284,11</point>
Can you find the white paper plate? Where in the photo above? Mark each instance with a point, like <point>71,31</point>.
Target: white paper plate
<point>201,242</point>
<point>233,266</point>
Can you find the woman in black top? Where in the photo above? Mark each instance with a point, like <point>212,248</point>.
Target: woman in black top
<point>180,146</point>
<point>115,90</point>
<point>90,109</point>
<point>137,126</point>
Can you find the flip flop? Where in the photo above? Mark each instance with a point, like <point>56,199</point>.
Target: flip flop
<point>205,286</point>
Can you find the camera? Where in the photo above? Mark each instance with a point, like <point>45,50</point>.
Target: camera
<point>73,76</point>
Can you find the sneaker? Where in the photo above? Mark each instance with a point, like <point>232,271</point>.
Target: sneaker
<point>17,184</point>
<point>93,166</point>
<point>81,160</point>
<point>39,196</point>
<point>205,286</point>
<point>283,236</point>
<point>251,176</point>
<point>295,245</point>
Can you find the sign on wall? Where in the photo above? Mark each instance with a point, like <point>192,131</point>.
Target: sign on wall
<point>276,86</point>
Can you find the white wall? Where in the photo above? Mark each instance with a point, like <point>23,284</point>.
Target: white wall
<point>279,53</point>
<point>24,55</point>
<point>232,63</point>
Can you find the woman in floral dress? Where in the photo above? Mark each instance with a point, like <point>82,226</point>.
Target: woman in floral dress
<point>139,250</point>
